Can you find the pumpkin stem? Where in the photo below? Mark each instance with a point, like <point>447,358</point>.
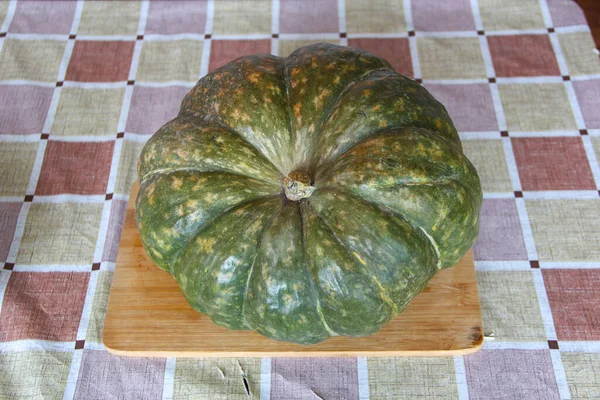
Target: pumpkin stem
<point>297,186</point>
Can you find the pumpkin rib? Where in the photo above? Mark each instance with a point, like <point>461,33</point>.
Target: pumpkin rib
<point>340,96</point>
<point>311,282</point>
<point>195,234</point>
<point>288,84</point>
<point>396,213</point>
<point>326,167</point>
<point>251,270</point>
<point>385,296</point>
<point>402,214</point>
<point>183,268</point>
<point>445,130</point>
<point>169,132</point>
<point>222,124</point>
<point>178,221</point>
<point>203,171</point>
<point>325,171</point>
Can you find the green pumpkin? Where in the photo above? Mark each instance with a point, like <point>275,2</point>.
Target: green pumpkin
<point>308,196</point>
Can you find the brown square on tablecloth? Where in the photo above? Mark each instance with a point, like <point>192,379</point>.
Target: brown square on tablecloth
<point>43,305</point>
<point>396,51</point>
<point>523,55</point>
<point>100,61</point>
<point>552,163</point>
<point>75,168</point>
<point>224,51</point>
<point>574,296</point>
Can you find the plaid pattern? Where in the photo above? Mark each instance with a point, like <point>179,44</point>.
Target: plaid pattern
<point>84,85</point>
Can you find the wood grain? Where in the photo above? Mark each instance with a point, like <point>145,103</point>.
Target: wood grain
<point>148,316</point>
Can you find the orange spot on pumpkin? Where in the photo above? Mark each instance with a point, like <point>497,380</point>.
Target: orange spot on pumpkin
<point>438,124</point>
<point>383,123</point>
<point>297,109</point>
<point>367,93</point>
<point>376,107</point>
<point>294,72</point>
<point>254,77</point>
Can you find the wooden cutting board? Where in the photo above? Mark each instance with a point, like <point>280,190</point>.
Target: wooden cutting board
<point>148,316</point>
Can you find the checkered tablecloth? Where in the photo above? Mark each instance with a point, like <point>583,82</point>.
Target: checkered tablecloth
<point>84,84</point>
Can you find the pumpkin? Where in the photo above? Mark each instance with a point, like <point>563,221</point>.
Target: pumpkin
<point>308,196</point>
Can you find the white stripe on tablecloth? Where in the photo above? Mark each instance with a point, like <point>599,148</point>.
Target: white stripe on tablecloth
<point>569,265</point>
<point>253,36</point>
<point>25,81</point>
<point>497,102</point>
<point>502,265</point>
<point>572,29</point>
<point>114,167</point>
<point>517,32</point>
<point>585,77</point>
<point>559,374</point>
<point>37,168</point>
<point>498,195</point>
<point>591,155</point>
<point>526,229</point>
<point>83,139</point>
<point>29,138</point>
<point>561,195</point>
<point>342,15</point>
<point>18,235</point>
<point>73,376</point>
<point>342,21</point>
<point>173,83</point>
<point>545,134</point>
<point>275,26</point>
<point>454,81</point>
<point>137,137</point>
<point>35,344</point>
<point>461,378</point>
<point>169,379</point>
<point>358,35</point>
<point>449,34</point>
<point>87,305</point>
<point>10,13</point>
<point>580,346</point>
<point>511,163</point>
<point>498,345</point>
<point>206,46</point>
<point>265,378</point>
<point>4,277</point>
<point>540,288</point>
<point>52,268</point>
<point>363,378</point>
<point>70,198</point>
<point>412,40</point>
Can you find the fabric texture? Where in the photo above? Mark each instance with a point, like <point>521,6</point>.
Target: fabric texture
<point>83,85</point>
